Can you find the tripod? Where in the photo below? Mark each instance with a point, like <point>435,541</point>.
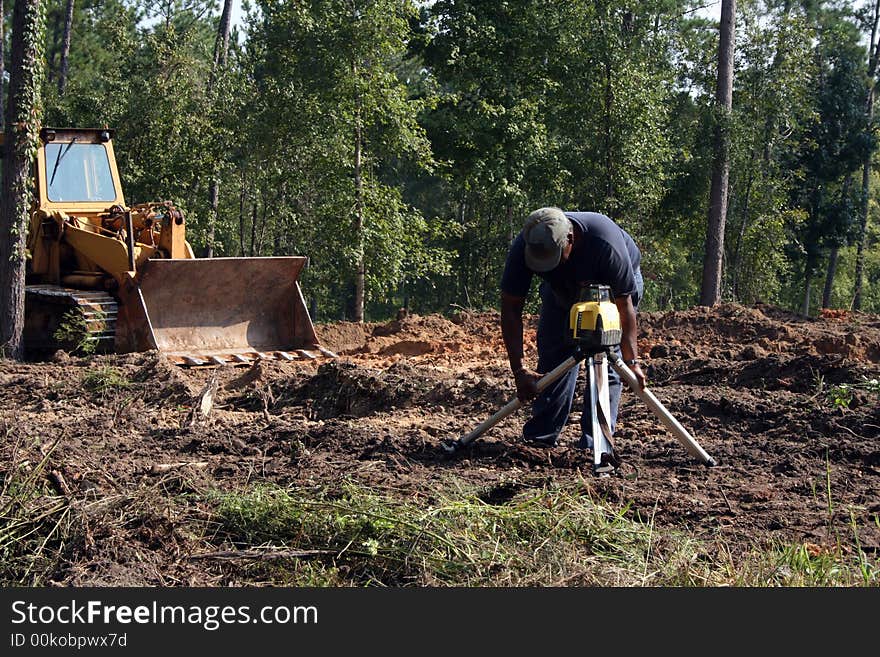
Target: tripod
<point>605,460</point>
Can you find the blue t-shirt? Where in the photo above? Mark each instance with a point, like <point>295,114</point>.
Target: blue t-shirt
<point>605,254</point>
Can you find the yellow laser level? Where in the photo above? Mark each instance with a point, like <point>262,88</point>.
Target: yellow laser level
<point>594,320</point>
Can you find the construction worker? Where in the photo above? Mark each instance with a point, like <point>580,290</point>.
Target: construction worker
<point>567,250</point>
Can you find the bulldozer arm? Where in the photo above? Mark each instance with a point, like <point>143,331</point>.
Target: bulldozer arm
<point>217,310</point>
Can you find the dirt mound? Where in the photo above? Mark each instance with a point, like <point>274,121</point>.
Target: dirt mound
<point>415,335</point>
<point>342,337</point>
<point>342,388</point>
<point>740,332</point>
<point>412,335</point>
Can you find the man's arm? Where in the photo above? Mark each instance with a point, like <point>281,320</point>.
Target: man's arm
<point>512,332</point>
<point>629,347</point>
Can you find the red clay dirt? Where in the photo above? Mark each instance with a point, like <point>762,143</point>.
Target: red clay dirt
<point>755,386</point>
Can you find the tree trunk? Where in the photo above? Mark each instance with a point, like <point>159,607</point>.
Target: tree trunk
<point>809,267</point>
<point>710,291</point>
<point>53,48</point>
<point>20,139</point>
<point>360,270</point>
<point>212,218</point>
<point>221,52</point>
<point>608,136</point>
<point>65,47</point>
<point>829,276</point>
<point>261,232</point>
<point>254,228</point>
<point>241,203</point>
<point>862,236</point>
<point>221,45</point>
<point>737,252</point>
<point>464,256</point>
<point>2,66</point>
<point>805,307</point>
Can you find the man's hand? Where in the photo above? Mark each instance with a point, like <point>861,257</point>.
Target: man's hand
<point>526,384</point>
<point>636,369</point>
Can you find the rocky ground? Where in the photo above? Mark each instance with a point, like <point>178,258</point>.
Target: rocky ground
<point>789,408</point>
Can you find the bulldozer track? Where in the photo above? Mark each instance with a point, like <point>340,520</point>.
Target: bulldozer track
<point>99,311</point>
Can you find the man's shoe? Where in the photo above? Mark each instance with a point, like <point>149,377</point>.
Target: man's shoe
<point>548,440</point>
<point>586,442</point>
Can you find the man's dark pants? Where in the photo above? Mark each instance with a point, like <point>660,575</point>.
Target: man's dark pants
<point>551,408</point>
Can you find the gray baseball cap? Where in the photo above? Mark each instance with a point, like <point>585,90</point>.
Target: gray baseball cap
<point>546,233</point>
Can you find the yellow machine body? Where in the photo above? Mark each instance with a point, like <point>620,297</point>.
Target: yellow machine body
<point>133,277</point>
<point>595,321</point>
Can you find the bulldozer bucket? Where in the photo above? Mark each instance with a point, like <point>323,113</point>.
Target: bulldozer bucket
<point>217,310</point>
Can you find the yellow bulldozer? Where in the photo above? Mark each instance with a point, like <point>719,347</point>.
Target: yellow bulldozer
<point>119,278</point>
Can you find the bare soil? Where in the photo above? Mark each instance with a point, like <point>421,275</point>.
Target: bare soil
<point>755,386</point>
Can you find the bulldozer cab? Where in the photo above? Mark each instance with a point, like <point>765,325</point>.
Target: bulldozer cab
<point>76,171</point>
<point>132,268</point>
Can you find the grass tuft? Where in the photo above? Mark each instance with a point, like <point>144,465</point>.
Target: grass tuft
<point>34,521</point>
<point>548,537</point>
<point>104,380</point>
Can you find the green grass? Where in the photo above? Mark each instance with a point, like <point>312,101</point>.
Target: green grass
<point>555,535</point>
<point>548,537</point>
<point>466,542</point>
<point>103,380</point>
<point>807,566</point>
<point>34,522</point>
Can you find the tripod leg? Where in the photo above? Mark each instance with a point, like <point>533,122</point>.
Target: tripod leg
<point>604,459</point>
<point>658,409</point>
<point>604,401</point>
<point>511,406</point>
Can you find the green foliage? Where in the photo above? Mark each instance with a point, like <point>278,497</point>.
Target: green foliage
<point>469,114</point>
<point>34,521</point>
<point>378,541</point>
<point>148,83</point>
<point>772,102</point>
<point>328,72</point>
<point>103,380</point>
<point>545,103</point>
<point>833,145</point>
<point>73,330</point>
<point>842,395</point>
<point>504,536</point>
<point>844,283</point>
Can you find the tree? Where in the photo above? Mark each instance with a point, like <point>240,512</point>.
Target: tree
<point>221,54</point>
<point>862,235</point>
<point>221,46</point>
<point>773,101</point>
<point>19,148</point>
<point>833,148</point>
<point>492,64</point>
<point>710,292</point>
<point>333,123</point>
<point>2,66</point>
<point>65,47</point>
<point>545,103</point>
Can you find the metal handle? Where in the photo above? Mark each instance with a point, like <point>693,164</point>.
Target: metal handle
<point>129,239</point>
<point>691,445</point>
<point>515,403</point>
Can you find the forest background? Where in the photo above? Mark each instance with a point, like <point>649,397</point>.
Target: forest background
<point>399,144</point>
